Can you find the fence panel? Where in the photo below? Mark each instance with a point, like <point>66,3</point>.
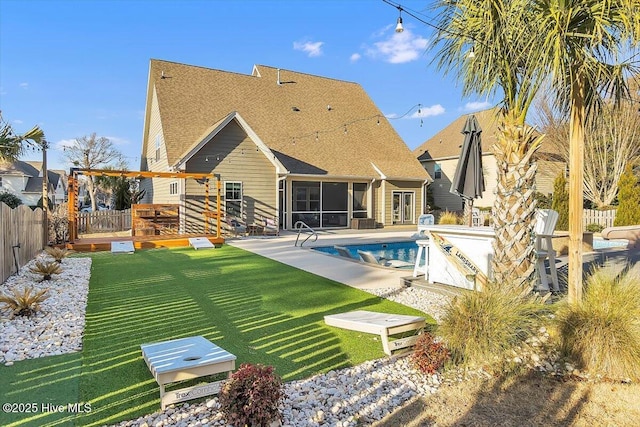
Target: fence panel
<point>104,221</point>
<point>604,218</point>
<point>20,237</point>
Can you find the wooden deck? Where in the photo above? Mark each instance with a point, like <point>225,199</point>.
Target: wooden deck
<point>103,243</point>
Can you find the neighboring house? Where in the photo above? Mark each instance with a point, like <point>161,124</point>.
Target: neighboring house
<point>24,179</point>
<point>284,144</point>
<point>439,156</point>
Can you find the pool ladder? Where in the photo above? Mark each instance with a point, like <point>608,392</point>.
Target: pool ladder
<point>303,227</point>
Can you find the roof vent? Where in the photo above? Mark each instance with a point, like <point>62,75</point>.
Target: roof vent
<point>329,108</point>
<point>295,109</point>
<point>279,83</point>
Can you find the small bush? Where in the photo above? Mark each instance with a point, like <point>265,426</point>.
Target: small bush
<point>594,228</point>
<point>251,396</point>
<point>46,269</point>
<point>602,334</point>
<point>10,199</point>
<point>448,218</point>
<point>429,356</point>
<point>58,254</point>
<point>629,198</point>
<point>25,302</point>
<point>560,202</point>
<point>483,326</point>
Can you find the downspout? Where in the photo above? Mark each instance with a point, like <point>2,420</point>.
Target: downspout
<point>370,207</point>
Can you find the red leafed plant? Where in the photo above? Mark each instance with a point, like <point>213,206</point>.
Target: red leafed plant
<point>429,355</point>
<point>251,396</point>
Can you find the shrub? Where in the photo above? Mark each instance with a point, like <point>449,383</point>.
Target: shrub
<point>46,269</point>
<point>10,199</point>
<point>449,218</point>
<point>482,326</point>
<point>543,201</point>
<point>560,202</point>
<point>429,356</point>
<point>594,228</point>
<point>251,396</point>
<point>58,254</point>
<point>629,199</point>
<point>602,334</point>
<point>25,302</point>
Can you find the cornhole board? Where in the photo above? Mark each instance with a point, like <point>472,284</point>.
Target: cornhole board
<point>200,243</point>
<point>125,247</point>
<point>382,324</point>
<point>183,359</point>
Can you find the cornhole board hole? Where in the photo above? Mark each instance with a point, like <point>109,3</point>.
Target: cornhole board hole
<point>125,247</point>
<point>382,324</point>
<point>200,243</point>
<point>183,359</point>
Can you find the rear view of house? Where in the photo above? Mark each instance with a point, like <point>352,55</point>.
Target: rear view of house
<point>285,145</point>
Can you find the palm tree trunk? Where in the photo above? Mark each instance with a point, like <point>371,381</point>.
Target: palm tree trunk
<point>514,209</point>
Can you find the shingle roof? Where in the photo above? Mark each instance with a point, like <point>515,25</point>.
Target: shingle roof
<point>19,167</point>
<point>192,99</point>
<point>448,142</point>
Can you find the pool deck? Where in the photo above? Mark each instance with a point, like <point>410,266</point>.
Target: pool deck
<point>340,269</point>
<point>365,276</point>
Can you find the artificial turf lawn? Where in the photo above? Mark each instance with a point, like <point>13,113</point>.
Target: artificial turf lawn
<point>260,310</point>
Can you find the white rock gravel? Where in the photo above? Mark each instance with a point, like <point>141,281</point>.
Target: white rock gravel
<point>58,327</point>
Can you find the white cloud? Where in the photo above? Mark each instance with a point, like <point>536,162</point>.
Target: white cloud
<point>478,105</point>
<point>399,48</point>
<point>434,110</point>
<point>18,122</point>
<point>24,85</point>
<point>311,48</point>
<point>355,57</point>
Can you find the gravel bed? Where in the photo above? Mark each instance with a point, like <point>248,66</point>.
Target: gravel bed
<point>58,327</point>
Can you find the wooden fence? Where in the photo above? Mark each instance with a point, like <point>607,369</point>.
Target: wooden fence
<point>104,221</point>
<point>20,238</point>
<point>604,218</point>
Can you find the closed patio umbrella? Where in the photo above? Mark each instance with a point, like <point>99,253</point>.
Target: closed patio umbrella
<point>468,180</point>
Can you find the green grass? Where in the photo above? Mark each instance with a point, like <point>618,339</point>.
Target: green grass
<point>256,308</point>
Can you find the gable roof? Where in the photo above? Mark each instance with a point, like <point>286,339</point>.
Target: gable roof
<point>301,118</point>
<point>21,168</point>
<point>448,142</point>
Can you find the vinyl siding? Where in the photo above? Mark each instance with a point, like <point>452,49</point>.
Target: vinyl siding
<point>405,186</point>
<point>547,173</point>
<point>239,161</point>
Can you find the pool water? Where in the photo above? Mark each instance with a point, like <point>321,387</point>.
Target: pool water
<point>404,250</point>
<point>599,243</point>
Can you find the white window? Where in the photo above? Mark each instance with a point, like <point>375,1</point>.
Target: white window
<point>437,171</point>
<point>233,199</point>
<point>173,188</point>
<point>158,143</point>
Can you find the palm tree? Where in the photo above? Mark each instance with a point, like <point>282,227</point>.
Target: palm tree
<point>578,47</point>
<point>11,144</point>
<point>489,30</point>
<point>520,45</point>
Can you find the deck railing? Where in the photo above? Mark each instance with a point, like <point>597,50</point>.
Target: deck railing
<point>104,221</point>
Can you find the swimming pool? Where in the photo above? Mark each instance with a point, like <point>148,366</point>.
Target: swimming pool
<point>402,250</point>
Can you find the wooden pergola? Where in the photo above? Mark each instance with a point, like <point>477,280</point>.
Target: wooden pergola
<point>208,213</point>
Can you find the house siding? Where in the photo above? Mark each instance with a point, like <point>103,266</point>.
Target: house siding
<point>548,171</point>
<point>385,204</point>
<point>239,161</point>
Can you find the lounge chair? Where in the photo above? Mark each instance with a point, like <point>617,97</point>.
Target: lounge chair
<point>368,257</point>
<point>629,232</point>
<point>344,252</point>
<point>546,220</point>
<point>236,226</point>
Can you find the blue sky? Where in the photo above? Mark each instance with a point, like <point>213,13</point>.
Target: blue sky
<point>78,67</point>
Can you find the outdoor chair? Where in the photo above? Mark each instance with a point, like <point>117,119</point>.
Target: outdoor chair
<point>270,227</point>
<point>424,221</point>
<point>369,258</point>
<point>476,218</point>
<point>546,220</point>
<point>343,251</point>
<point>236,227</point>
